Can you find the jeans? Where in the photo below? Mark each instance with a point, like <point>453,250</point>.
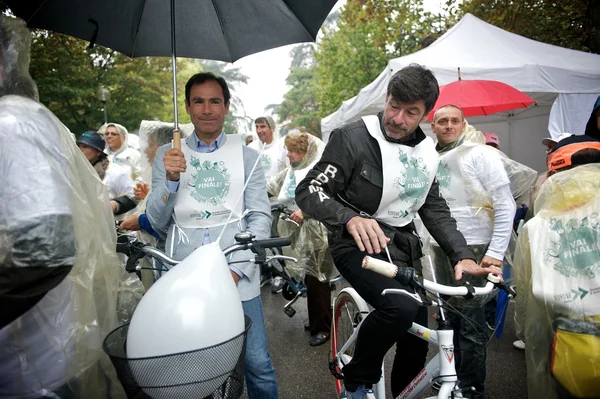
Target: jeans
<point>384,326</point>
<point>260,374</point>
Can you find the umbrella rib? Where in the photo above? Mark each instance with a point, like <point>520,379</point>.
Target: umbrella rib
<point>222,30</point>
<point>36,10</point>
<point>137,29</point>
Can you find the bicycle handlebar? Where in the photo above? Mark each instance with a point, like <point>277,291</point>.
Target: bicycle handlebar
<point>407,276</point>
<point>136,250</point>
<point>277,242</point>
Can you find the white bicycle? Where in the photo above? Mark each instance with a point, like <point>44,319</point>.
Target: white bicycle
<point>349,311</point>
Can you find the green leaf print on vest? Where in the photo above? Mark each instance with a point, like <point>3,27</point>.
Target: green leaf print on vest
<point>444,176</point>
<point>290,190</point>
<point>413,182</point>
<point>211,183</point>
<point>266,162</point>
<point>576,251</point>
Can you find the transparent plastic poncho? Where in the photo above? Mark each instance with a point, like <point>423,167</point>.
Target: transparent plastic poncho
<point>310,247</point>
<point>557,267</point>
<point>309,239</point>
<point>59,341</point>
<point>475,212</point>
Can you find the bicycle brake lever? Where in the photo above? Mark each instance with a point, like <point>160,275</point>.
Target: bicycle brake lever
<point>283,257</point>
<point>287,219</point>
<point>510,289</point>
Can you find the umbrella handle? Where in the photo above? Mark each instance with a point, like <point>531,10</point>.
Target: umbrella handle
<point>177,139</point>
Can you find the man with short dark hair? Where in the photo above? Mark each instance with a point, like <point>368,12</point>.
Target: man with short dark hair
<point>273,157</point>
<point>195,193</point>
<point>375,175</point>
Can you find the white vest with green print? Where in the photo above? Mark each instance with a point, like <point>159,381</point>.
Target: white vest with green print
<point>210,186</point>
<point>408,174</point>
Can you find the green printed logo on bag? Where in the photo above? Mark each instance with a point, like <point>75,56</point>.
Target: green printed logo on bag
<point>211,182</point>
<point>413,181</point>
<point>576,252</point>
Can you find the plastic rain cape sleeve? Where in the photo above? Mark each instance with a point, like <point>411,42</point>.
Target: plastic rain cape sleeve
<point>557,267</point>
<point>309,240</point>
<point>62,335</point>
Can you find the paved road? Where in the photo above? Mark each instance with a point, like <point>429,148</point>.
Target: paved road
<point>302,370</point>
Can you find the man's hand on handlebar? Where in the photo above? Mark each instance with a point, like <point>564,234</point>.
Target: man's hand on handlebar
<point>367,234</point>
<point>469,266</point>
<point>297,216</point>
<point>488,261</point>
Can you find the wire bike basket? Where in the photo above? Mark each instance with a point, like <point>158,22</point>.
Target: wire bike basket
<point>183,375</point>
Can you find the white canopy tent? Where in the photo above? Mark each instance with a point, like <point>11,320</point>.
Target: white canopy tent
<point>483,51</point>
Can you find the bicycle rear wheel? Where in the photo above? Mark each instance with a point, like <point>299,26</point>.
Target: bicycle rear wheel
<point>347,315</point>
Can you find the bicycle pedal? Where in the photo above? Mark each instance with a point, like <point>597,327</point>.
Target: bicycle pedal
<point>290,311</point>
<point>335,370</point>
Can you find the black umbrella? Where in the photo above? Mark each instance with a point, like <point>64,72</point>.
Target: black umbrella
<point>224,30</point>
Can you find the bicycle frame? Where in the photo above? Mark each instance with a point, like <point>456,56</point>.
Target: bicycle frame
<point>441,367</point>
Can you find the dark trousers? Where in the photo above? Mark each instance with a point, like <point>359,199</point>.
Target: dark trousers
<point>470,339</point>
<point>318,301</point>
<point>384,326</point>
<point>470,347</point>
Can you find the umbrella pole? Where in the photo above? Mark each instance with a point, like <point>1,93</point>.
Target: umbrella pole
<point>176,131</point>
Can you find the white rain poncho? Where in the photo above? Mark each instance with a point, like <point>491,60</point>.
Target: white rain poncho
<point>46,179</point>
<point>468,192</point>
<point>557,268</point>
<point>309,240</point>
<point>126,156</point>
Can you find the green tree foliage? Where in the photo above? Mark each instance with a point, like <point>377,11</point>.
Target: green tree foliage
<point>573,24</point>
<point>237,120</point>
<point>68,75</point>
<point>185,70</point>
<point>299,107</point>
<point>367,35</point>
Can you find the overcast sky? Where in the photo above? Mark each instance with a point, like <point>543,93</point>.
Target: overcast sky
<point>268,70</point>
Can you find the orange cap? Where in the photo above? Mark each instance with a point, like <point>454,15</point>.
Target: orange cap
<point>562,157</point>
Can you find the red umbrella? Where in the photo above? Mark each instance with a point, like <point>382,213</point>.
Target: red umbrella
<point>481,97</point>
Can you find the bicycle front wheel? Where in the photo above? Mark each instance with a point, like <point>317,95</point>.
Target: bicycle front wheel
<point>348,311</point>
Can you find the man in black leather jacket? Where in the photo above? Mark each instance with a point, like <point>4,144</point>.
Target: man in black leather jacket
<point>375,175</point>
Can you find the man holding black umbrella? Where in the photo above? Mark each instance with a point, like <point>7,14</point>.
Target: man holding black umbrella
<point>194,200</point>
